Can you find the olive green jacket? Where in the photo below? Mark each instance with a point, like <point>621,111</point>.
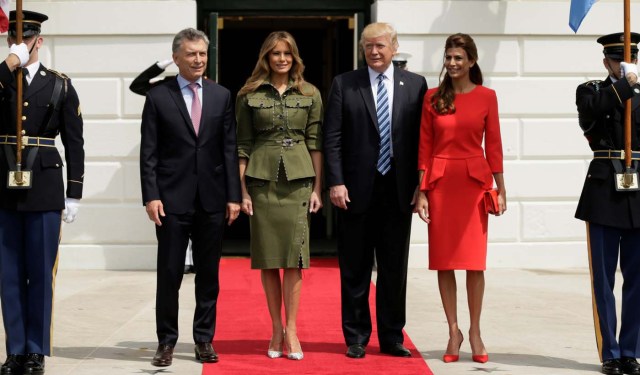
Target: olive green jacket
<point>274,127</point>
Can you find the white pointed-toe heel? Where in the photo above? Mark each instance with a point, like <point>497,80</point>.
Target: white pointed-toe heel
<point>275,353</point>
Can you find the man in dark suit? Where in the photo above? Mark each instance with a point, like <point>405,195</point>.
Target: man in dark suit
<point>31,208</point>
<point>190,184</point>
<point>371,145</point>
<point>141,85</point>
<point>611,210</point>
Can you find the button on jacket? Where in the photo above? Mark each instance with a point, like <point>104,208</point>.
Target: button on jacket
<point>274,127</point>
<point>601,116</point>
<point>48,190</point>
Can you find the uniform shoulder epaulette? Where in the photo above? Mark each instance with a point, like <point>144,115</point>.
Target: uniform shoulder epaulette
<point>61,75</point>
<point>595,82</point>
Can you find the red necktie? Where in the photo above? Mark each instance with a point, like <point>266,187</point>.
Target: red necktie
<point>196,107</point>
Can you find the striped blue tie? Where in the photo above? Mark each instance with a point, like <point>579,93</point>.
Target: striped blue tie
<point>384,127</point>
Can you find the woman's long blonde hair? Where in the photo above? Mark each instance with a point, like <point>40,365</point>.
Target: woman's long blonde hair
<point>262,71</point>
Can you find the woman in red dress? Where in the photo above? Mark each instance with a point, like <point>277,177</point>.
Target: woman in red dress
<point>455,171</point>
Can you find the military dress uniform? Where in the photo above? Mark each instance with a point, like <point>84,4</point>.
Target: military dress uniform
<point>612,216</point>
<point>30,219</point>
<point>276,133</point>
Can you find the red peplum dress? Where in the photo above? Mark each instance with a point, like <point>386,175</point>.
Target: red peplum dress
<point>457,171</point>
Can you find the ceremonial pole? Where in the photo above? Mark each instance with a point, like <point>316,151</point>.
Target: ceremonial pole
<point>19,175</point>
<point>628,175</point>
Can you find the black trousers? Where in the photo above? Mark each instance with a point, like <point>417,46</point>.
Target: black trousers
<point>205,230</point>
<point>382,231</point>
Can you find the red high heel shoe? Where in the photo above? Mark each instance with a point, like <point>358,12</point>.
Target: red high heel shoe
<point>480,358</point>
<point>448,358</point>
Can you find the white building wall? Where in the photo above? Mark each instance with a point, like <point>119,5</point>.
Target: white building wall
<point>528,55</point>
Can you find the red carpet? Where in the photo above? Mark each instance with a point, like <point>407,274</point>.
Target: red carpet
<point>244,328</point>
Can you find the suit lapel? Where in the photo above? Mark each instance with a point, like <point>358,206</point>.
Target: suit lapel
<point>39,81</point>
<point>635,101</point>
<point>207,97</point>
<point>176,95</point>
<point>367,96</point>
<point>398,97</point>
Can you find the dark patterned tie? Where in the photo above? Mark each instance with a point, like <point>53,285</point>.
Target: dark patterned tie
<point>196,107</point>
<point>384,127</point>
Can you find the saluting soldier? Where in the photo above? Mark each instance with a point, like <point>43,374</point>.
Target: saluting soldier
<point>610,208</point>
<point>30,212</point>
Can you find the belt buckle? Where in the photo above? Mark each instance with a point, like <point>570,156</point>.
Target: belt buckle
<point>25,140</point>
<point>287,142</point>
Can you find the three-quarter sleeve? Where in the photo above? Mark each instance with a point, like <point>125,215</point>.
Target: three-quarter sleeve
<point>245,132</point>
<point>493,140</point>
<point>425,147</point>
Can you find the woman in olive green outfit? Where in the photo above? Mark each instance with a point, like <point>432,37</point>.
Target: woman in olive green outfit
<point>279,118</point>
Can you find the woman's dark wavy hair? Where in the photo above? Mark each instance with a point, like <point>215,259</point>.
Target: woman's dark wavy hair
<point>442,100</point>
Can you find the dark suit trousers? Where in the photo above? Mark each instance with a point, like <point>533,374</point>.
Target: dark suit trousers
<point>205,230</point>
<point>382,231</point>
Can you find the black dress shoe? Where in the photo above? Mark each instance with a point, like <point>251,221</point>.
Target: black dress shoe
<point>630,366</point>
<point>396,350</point>
<point>34,365</point>
<point>355,351</point>
<point>205,353</point>
<point>611,367</point>
<point>163,357</point>
<point>13,365</point>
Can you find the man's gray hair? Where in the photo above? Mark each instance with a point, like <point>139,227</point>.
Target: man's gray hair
<point>190,34</point>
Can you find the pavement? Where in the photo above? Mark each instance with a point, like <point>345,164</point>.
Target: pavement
<point>533,322</point>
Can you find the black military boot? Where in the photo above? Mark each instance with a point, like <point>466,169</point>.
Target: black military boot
<point>611,367</point>
<point>34,364</point>
<point>13,365</point>
<point>630,366</point>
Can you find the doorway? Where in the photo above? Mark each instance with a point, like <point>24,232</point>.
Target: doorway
<point>326,34</point>
<point>325,45</point>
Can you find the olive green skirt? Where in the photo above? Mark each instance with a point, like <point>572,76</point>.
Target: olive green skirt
<point>280,222</point>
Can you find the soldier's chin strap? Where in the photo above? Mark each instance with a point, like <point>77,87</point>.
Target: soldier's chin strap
<point>35,38</point>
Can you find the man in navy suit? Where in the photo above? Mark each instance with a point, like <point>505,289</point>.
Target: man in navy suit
<point>190,187</point>
<point>371,133</point>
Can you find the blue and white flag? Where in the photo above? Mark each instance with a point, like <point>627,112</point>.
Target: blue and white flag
<point>579,9</point>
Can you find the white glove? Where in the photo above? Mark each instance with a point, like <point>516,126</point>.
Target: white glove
<point>163,64</point>
<point>628,68</point>
<point>21,51</point>
<point>70,211</point>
